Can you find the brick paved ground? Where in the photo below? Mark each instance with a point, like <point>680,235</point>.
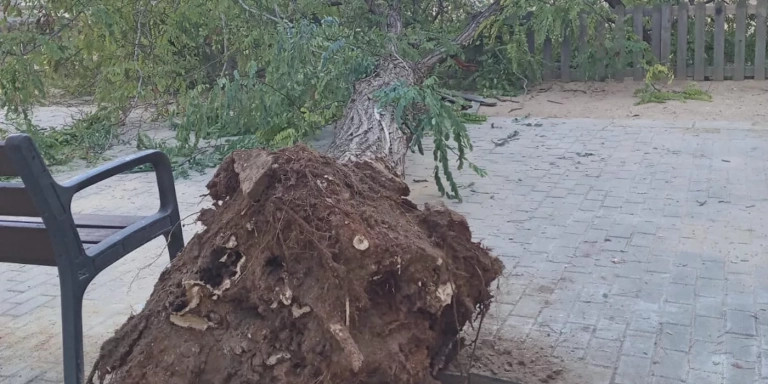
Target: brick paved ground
<point>632,249</point>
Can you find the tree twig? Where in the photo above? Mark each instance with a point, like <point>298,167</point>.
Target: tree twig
<point>226,45</point>
<point>268,16</point>
<point>466,36</point>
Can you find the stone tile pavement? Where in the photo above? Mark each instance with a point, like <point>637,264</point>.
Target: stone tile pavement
<point>634,248</point>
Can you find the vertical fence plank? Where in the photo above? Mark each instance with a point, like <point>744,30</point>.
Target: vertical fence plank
<point>681,54</point>
<point>701,22</point>
<point>547,57</point>
<point>719,58</point>
<point>637,19</point>
<point>741,39</point>
<point>656,32</point>
<point>621,37</point>
<point>602,59</point>
<point>530,38</point>
<point>565,57</point>
<point>666,33</point>
<point>583,47</point>
<point>760,37</point>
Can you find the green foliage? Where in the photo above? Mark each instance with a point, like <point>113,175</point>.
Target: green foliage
<point>86,139</point>
<point>421,110</point>
<point>259,73</point>
<point>186,159</point>
<point>658,78</point>
<point>303,88</point>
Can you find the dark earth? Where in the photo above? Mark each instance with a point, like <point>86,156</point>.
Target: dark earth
<point>308,271</point>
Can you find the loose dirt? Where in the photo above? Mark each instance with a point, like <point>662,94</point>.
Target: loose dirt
<point>307,271</point>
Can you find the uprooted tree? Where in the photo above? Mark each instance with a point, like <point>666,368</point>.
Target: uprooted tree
<point>311,269</point>
<point>315,269</point>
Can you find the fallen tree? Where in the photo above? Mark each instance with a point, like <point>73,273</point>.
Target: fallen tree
<point>314,268</point>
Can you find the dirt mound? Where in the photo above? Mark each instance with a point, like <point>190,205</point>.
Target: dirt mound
<point>308,271</point>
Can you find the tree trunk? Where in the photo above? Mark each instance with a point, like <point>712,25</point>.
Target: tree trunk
<point>367,131</point>
<point>370,132</point>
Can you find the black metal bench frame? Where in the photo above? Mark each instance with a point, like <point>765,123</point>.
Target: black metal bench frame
<point>37,227</point>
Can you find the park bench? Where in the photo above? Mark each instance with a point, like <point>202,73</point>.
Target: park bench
<point>37,227</point>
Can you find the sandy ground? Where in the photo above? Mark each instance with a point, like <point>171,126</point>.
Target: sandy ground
<point>745,101</point>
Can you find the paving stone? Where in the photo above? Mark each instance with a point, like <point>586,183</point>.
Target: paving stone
<point>737,372</point>
<point>740,301</point>
<point>699,377</point>
<point>615,244</point>
<point>675,337</point>
<point>611,328</point>
<point>707,356</point>
<point>670,364</point>
<point>680,314</point>
<point>515,328</point>
<point>740,322</point>
<point>645,322</point>
<point>28,306</point>
<point>529,306</point>
<point>710,288</point>
<point>708,328</point>
<point>711,307</point>
<point>603,352</point>
<point>679,293</point>
<point>576,335</point>
<point>742,348</point>
<point>639,344</point>
<point>633,370</point>
<point>621,230</point>
<point>712,270</point>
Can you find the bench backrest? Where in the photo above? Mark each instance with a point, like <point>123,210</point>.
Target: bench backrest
<point>14,198</point>
<point>35,196</point>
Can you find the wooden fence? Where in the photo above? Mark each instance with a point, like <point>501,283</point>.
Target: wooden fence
<point>691,39</point>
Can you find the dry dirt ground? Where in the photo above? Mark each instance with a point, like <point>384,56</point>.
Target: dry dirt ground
<point>745,101</point>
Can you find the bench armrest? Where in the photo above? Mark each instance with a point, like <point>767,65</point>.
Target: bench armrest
<point>157,159</point>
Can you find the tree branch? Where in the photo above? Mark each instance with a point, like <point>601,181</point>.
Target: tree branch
<point>465,37</point>
<point>268,16</point>
<point>394,19</point>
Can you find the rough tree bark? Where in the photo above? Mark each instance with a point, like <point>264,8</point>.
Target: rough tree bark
<point>368,132</point>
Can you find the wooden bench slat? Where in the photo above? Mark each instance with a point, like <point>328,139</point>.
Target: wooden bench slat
<point>15,201</point>
<point>84,221</point>
<point>96,235</point>
<point>25,243</point>
<point>6,169</point>
<point>25,240</point>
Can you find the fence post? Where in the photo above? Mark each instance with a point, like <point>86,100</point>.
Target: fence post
<point>637,19</point>
<point>583,47</point>
<point>701,22</point>
<point>666,33</point>
<point>601,56</point>
<point>621,37</point>
<point>547,58</point>
<point>760,37</point>
<point>741,39</point>
<point>565,57</point>
<point>682,41</point>
<point>656,32</point>
<point>530,38</point>
<point>719,58</point>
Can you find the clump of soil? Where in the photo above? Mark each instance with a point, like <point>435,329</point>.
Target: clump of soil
<point>308,271</point>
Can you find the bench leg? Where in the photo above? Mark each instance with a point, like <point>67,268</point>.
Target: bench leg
<point>175,240</point>
<point>72,333</point>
